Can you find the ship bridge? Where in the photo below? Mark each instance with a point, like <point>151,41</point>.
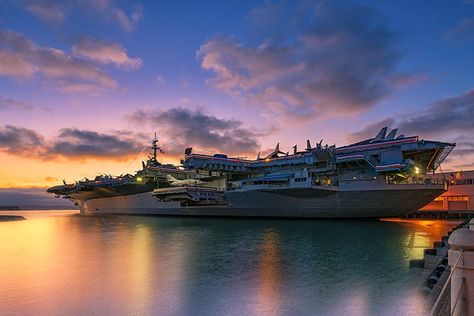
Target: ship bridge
<point>428,154</point>
<point>390,153</point>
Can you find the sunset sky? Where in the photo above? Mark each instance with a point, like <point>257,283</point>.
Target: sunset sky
<point>84,84</point>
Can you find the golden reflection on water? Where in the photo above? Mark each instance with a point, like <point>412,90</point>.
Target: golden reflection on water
<point>141,270</point>
<point>268,272</point>
<point>422,235</point>
<point>93,265</point>
<point>51,264</point>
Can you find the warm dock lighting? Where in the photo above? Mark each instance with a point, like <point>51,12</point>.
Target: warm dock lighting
<point>139,179</point>
<point>417,170</point>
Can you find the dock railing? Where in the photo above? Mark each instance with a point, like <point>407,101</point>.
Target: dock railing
<point>415,180</point>
<point>461,278</point>
<point>444,294</point>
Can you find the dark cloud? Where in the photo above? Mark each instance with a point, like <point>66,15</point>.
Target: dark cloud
<point>82,143</point>
<point>450,115</point>
<point>314,57</point>
<point>70,143</point>
<point>445,118</point>
<point>8,103</point>
<point>194,128</point>
<point>19,140</point>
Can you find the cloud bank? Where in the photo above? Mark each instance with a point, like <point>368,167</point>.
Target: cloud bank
<point>449,116</point>
<point>19,140</point>
<point>197,129</point>
<point>70,143</point>
<point>177,128</point>
<point>73,142</point>
<point>314,57</point>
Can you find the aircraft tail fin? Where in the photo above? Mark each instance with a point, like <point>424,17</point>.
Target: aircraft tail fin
<point>392,134</point>
<point>170,178</point>
<point>381,134</point>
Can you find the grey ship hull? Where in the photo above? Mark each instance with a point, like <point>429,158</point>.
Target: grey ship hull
<point>304,203</point>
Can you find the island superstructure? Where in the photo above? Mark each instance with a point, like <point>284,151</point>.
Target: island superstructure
<point>383,176</point>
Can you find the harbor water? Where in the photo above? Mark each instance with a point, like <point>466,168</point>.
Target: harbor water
<point>59,263</point>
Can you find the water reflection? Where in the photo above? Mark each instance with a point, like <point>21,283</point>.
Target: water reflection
<point>173,266</point>
<point>269,272</point>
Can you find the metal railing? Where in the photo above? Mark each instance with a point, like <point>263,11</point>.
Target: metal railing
<point>435,309</point>
<point>415,180</point>
<point>371,160</point>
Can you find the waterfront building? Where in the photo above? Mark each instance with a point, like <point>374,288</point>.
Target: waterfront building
<point>460,193</point>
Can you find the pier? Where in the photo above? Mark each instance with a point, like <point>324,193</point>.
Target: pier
<point>448,268</point>
<point>441,214</point>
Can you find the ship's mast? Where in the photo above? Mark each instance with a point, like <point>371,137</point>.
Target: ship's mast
<point>154,145</point>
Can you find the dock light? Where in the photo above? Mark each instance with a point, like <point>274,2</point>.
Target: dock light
<point>139,179</point>
<point>267,160</point>
<point>417,170</point>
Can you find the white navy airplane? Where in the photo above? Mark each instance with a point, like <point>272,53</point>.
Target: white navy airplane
<point>180,183</point>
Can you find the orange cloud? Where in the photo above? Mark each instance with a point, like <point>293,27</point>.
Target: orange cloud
<point>105,52</point>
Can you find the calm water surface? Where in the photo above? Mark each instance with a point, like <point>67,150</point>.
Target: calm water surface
<point>58,263</point>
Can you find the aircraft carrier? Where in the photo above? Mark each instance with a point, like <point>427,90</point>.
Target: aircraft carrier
<point>384,176</point>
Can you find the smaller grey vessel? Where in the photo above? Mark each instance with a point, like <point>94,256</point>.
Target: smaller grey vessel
<point>383,176</point>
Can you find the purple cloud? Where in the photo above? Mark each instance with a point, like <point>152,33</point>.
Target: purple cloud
<point>50,63</point>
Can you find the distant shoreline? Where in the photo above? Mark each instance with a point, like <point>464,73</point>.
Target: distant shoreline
<point>39,208</point>
<point>9,207</point>
<point>7,218</point>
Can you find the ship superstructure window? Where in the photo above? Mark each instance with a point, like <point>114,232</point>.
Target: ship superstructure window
<point>300,179</point>
<point>464,182</point>
<point>458,198</point>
